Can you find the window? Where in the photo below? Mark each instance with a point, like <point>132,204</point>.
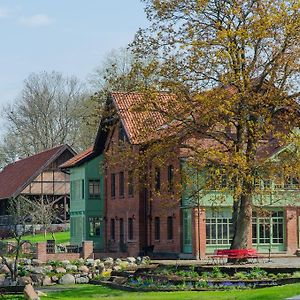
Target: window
<point>219,229</point>
<point>170,178</point>
<point>112,229</point>
<point>170,228</point>
<point>113,184</point>
<point>130,183</point>
<point>94,188</point>
<point>121,184</point>
<point>291,183</point>
<point>157,228</point>
<point>267,184</point>
<point>94,226</point>
<point>130,229</point>
<point>268,229</point>
<point>82,189</point>
<point>157,179</point>
<point>122,133</point>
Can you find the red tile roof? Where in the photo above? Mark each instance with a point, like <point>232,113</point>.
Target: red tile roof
<point>77,158</point>
<point>143,126</point>
<point>16,176</point>
<point>140,125</point>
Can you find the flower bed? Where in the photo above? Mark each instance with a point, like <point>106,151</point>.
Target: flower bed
<point>172,279</point>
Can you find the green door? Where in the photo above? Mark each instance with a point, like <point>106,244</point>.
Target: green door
<point>187,231</point>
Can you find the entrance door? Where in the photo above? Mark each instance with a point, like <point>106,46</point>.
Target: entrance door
<point>187,231</point>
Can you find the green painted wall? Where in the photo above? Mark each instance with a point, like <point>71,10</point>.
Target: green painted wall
<point>274,200</point>
<point>82,206</point>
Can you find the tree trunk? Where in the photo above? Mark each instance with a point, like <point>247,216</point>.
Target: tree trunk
<point>243,222</point>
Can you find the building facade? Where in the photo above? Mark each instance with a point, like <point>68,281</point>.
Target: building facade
<point>36,177</point>
<point>87,198</point>
<point>146,214</point>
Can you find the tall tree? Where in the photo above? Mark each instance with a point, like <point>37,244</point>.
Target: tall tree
<point>233,68</point>
<point>44,115</point>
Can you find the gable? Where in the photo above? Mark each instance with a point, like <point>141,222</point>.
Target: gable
<point>16,176</point>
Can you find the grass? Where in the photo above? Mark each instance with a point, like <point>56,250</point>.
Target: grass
<point>61,237</point>
<point>88,292</point>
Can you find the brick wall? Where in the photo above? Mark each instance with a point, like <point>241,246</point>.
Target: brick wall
<point>142,207</point>
<point>42,255</point>
<point>198,240</point>
<point>291,229</point>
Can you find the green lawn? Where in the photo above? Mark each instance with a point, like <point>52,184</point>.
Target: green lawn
<point>61,237</point>
<point>88,292</point>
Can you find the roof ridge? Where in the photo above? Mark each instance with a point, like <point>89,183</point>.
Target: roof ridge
<point>39,153</point>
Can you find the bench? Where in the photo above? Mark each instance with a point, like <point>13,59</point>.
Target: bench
<point>221,255</point>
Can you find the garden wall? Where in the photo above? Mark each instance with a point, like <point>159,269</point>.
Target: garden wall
<point>42,255</point>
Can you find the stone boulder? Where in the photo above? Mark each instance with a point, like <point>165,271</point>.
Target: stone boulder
<point>38,270</point>
<point>37,279</point>
<point>90,262</point>
<point>108,263</point>
<point>24,280</point>
<point>36,262</point>
<point>48,268</point>
<point>4,269</point>
<point>2,279</point>
<point>131,267</point>
<point>60,270</point>
<point>101,267</point>
<point>81,280</point>
<point>71,268</point>
<point>29,293</point>
<point>84,269</point>
<point>131,259</point>
<point>54,278</point>
<point>47,281</point>
<point>67,279</point>
<point>117,268</point>
<point>119,279</point>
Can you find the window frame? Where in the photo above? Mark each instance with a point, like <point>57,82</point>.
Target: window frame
<point>170,178</point>
<point>94,220</point>
<point>94,195</point>
<point>170,228</point>
<point>121,184</point>
<point>157,179</point>
<point>130,184</point>
<point>113,185</point>
<point>130,229</point>
<point>112,229</point>
<point>157,228</point>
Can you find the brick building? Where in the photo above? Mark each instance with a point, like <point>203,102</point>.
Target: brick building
<point>146,214</point>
